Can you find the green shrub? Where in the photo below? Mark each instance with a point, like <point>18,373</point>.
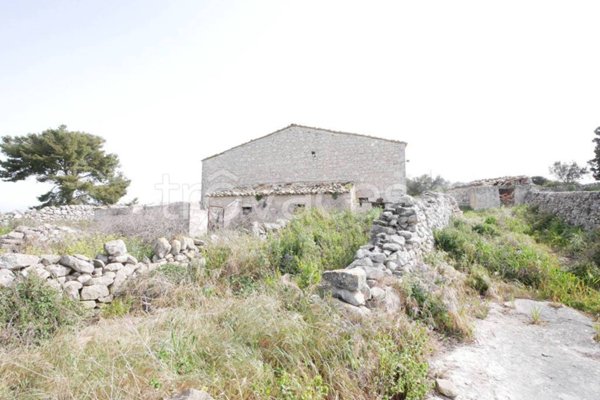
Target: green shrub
<point>479,279</point>
<point>486,229</point>
<point>588,272</point>
<point>4,230</point>
<point>402,368</point>
<point>430,308</point>
<point>216,256</point>
<point>316,241</point>
<point>138,247</point>
<point>31,311</point>
<point>117,308</point>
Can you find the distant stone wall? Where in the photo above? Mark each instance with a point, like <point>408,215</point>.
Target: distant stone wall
<point>52,214</point>
<point>400,238</point>
<point>576,208</point>
<point>152,221</point>
<point>477,197</point>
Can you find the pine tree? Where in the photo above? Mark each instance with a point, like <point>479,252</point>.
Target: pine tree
<point>73,161</point>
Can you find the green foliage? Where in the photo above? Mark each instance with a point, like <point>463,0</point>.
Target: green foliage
<point>117,308</point>
<point>138,247</point>
<point>316,241</point>
<point>479,279</point>
<point>31,311</point>
<point>402,369</point>
<point>424,183</point>
<point>512,253</point>
<point>4,230</point>
<point>73,161</point>
<point>216,256</point>
<point>580,247</point>
<point>594,163</point>
<point>430,308</point>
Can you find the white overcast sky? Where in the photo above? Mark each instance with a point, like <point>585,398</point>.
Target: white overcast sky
<point>477,88</point>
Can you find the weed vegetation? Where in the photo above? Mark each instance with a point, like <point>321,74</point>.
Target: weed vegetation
<point>246,324</point>
<point>521,246</point>
<point>31,312</point>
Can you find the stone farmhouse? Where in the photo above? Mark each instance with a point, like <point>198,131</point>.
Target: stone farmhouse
<point>301,167</point>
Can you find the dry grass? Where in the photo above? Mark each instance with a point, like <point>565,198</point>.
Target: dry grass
<point>270,345</point>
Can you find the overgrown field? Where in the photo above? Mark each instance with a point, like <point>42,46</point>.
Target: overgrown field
<point>541,253</point>
<point>249,324</point>
<point>234,327</point>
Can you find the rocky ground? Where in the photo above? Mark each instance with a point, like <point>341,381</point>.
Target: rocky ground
<point>512,358</point>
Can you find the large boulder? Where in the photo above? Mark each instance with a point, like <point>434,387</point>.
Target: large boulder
<point>77,264</point>
<point>115,248</point>
<point>94,292</point>
<point>6,278</point>
<point>348,279</point>
<point>349,285</point>
<point>121,276</point>
<point>14,261</point>
<point>57,270</point>
<point>162,247</point>
<point>71,289</point>
<point>355,298</point>
<point>175,247</point>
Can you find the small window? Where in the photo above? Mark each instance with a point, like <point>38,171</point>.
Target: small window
<point>299,207</point>
<point>246,210</point>
<point>363,200</point>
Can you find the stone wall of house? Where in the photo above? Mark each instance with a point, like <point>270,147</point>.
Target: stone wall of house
<point>241,211</point>
<point>95,281</point>
<point>400,238</point>
<point>301,154</point>
<point>577,208</point>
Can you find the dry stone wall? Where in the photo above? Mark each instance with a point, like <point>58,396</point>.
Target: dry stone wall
<point>51,214</point>
<point>95,281</point>
<point>400,238</point>
<point>576,208</point>
<point>22,235</point>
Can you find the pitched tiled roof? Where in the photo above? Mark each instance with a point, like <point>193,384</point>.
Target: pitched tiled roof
<point>284,189</point>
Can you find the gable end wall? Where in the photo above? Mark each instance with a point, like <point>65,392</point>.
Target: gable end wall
<point>375,166</point>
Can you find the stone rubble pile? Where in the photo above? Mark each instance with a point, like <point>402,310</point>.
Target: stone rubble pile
<point>400,238</point>
<point>16,240</point>
<point>179,250</point>
<point>262,229</point>
<point>94,281</point>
